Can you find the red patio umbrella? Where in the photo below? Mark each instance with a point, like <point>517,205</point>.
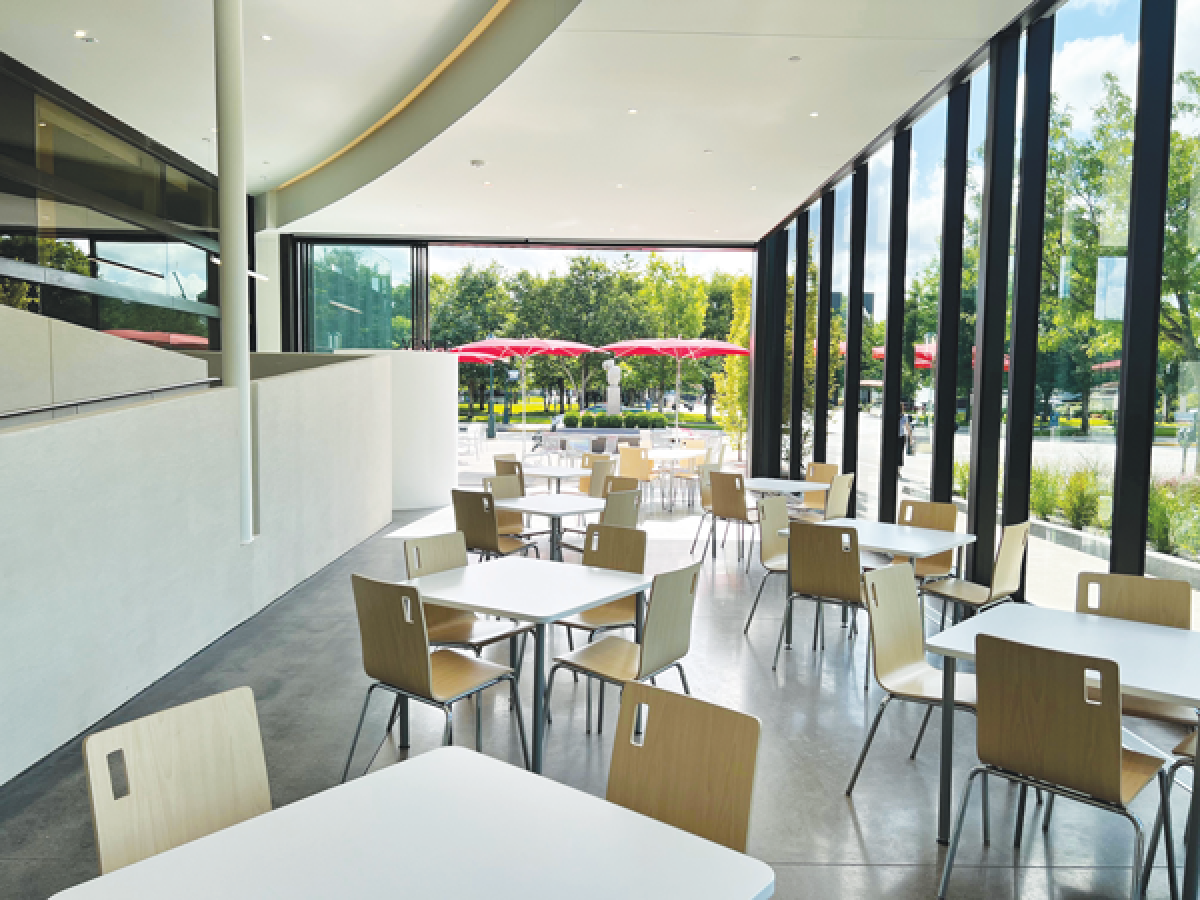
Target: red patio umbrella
<point>923,355</point>
<point>522,349</point>
<point>485,359</point>
<point>680,349</point>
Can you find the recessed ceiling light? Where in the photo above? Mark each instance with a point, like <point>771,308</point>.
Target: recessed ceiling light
<point>793,59</point>
<point>633,112</point>
<point>716,231</point>
<point>813,114</point>
<point>266,162</point>
<point>708,151</point>
<point>41,124</point>
<point>478,163</point>
<point>754,187</point>
<point>691,212</point>
<point>266,37</point>
<point>83,36</point>
<point>620,185</point>
<point>487,184</point>
<point>213,130</point>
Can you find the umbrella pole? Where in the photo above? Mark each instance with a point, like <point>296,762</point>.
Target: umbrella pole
<point>678,378</point>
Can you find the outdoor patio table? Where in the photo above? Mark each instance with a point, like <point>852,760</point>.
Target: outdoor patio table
<point>674,456</point>
<point>553,507</point>
<point>537,591</point>
<point>421,828</point>
<point>784,486</point>
<point>1155,662</point>
<point>554,474</point>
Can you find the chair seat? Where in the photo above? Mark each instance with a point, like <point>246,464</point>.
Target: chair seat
<point>922,682</point>
<point>959,590</point>
<point>455,674</point>
<point>924,569</point>
<point>1152,709</point>
<point>611,658</point>
<point>475,632</point>
<point>509,545</point>
<point>1137,771</point>
<point>1187,747</point>
<point>776,563</point>
<point>801,514</point>
<point>515,528</point>
<point>618,613</point>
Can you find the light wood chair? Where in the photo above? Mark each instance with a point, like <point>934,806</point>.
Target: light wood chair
<point>618,483</point>
<point>688,473</point>
<point>1006,576</point>
<point>512,467</point>
<point>1038,728</point>
<point>692,764</point>
<point>448,627</point>
<point>729,505</point>
<point>164,780</point>
<point>506,487</point>
<point>601,467</point>
<point>396,655</point>
<point>811,505</point>
<point>935,516</point>
<point>666,639</point>
<point>901,669</point>
<point>475,517</point>
<point>772,546</point>
<point>622,508</point>
<point>823,566</point>
<point>704,481</point>
<point>636,463</point>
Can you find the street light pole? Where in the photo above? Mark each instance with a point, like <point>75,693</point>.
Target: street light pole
<point>491,433</point>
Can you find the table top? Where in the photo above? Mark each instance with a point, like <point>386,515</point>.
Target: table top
<point>450,824</point>
<point>677,454</point>
<point>900,540</point>
<point>1156,662</point>
<point>552,505</point>
<point>529,590</point>
<point>783,486</point>
<point>555,472</point>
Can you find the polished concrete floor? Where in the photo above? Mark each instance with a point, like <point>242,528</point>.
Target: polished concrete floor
<point>302,658</point>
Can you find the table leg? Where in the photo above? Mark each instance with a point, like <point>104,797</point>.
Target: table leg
<point>1191,863</point>
<point>402,717</point>
<point>539,695</point>
<point>558,485</point>
<point>946,786</point>
<point>639,621</point>
<point>556,538</point>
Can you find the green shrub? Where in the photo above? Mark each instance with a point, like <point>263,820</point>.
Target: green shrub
<point>1045,486</point>
<point>643,420</point>
<point>1158,520</point>
<point>571,420</point>
<point>962,478</point>
<point>658,420</point>
<point>587,420</point>
<point>607,421</point>
<point>1081,498</point>
<point>630,420</point>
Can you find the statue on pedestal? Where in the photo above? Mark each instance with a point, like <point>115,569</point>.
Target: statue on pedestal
<point>613,404</point>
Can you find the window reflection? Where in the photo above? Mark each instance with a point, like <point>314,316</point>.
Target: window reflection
<point>359,297</point>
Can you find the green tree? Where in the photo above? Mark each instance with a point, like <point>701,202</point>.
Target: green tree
<point>675,305</point>
<point>733,384</point>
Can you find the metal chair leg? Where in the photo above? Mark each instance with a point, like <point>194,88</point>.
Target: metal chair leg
<point>520,720</point>
<point>357,731</point>
<point>862,756</point>
<point>1162,823</point>
<point>985,809</point>
<point>479,722</point>
<point>683,679</point>
<point>448,731</point>
<point>817,622</point>
<point>958,826</point>
<point>867,670</point>
<point>921,733</point>
<point>549,690</point>
<point>699,528</point>
<point>600,707</point>
<point>1046,814</point>
<point>571,646</point>
<point>1020,826</point>
<point>757,597</point>
<point>1139,849</point>
<point>782,629</point>
<point>588,726</point>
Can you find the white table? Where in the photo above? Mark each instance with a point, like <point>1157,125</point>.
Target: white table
<point>555,474</point>
<point>784,486</point>
<point>451,824</point>
<point>553,507</point>
<point>674,456</point>
<point>1156,662</point>
<point>537,591</point>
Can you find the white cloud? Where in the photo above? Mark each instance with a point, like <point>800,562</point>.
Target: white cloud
<point>1078,68</point>
<point>1187,36</point>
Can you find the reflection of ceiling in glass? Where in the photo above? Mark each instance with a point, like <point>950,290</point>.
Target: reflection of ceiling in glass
<point>448,259</point>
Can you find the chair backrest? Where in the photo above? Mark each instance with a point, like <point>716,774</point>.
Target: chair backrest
<point>1155,601</point>
<point>821,473</point>
<point>475,517</point>
<point>837,504</point>
<point>631,461</point>
<point>395,642</point>
<point>705,474</point>
<point>514,468</point>
<point>615,547</point>
<point>667,636</point>
<point>772,518</point>
<point>593,484</point>
<point>1039,715</point>
<point>937,516</point>
<point>1006,576</point>
<point>692,767</point>
<point>897,630</point>
<point>823,561</point>
<point>511,457</point>
<point>622,508</point>
<point>506,487</point>
<point>433,554</point>
<point>588,459</point>
<point>180,774</point>
<point>729,495</point>
<point>615,483</point>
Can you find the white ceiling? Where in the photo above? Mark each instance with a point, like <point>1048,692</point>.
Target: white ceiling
<point>557,137</point>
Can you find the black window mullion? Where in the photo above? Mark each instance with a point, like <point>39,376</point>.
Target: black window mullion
<point>894,340</point>
<point>824,323</point>
<point>766,356</point>
<point>854,323</point>
<point>799,338</point>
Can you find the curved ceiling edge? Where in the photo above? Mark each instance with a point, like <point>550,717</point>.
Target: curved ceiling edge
<point>494,49</point>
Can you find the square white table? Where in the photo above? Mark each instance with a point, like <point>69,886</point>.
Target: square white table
<point>553,507</point>
<point>555,474</point>
<point>1155,662</point>
<point>451,824</point>
<point>536,591</point>
<point>784,486</point>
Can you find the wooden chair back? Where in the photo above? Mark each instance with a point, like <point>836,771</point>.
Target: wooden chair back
<point>692,766</point>
<point>1037,716</point>
<point>837,503</point>
<point>1154,601</point>
<point>475,517</point>
<point>615,483</point>
<point>1006,576</point>
<point>512,467</point>
<point>180,774</point>
<point>506,487</point>
<point>937,516</point>
<point>821,473</point>
<point>433,554</point>
<point>691,464</point>
<point>615,547</point>
<point>729,495</point>
<point>631,461</point>
<point>772,518</point>
<point>511,457</point>
<point>593,484</point>
<point>823,561</point>
<point>622,508</point>
<point>667,635</point>
<point>897,631</point>
<point>395,642</point>
<point>705,474</point>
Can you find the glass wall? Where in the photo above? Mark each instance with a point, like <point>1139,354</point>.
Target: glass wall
<point>874,329</point>
<point>811,285</point>
<point>359,297</point>
<point>789,339</point>
<point>837,328</point>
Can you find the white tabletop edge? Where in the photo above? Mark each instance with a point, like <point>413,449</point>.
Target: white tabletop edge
<point>551,505</point>
<point>785,486</point>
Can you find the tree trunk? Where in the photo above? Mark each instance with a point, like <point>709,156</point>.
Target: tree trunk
<point>1085,400</point>
<point>470,397</point>
<point>708,405</point>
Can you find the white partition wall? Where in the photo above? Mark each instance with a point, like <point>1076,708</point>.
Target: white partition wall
<point>424,428</point>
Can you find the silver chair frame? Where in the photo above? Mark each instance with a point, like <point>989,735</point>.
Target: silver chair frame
<point>678,664</point>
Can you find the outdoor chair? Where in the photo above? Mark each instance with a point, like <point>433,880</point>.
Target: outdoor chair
<point>475,517</point>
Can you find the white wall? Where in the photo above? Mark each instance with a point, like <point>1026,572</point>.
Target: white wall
<point>268,313</point>
<point>120,553</point>
<point>424,428</point>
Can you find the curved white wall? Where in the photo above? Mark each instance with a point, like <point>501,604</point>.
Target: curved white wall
<point>424,428</point>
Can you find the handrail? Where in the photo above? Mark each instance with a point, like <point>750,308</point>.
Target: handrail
<point>67,404</point>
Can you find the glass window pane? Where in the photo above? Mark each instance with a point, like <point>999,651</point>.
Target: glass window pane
<point>837,328</point>
<point>812,280</point>
<point>789,338</point>
<point>874,329</point>
<point>360,297</point>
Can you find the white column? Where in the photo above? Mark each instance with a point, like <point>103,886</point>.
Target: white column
<point>235,263</point>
